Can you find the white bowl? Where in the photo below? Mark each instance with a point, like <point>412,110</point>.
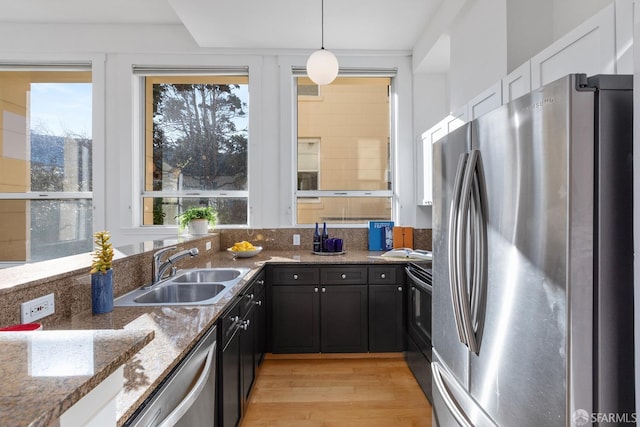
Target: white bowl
<point>246,254</point>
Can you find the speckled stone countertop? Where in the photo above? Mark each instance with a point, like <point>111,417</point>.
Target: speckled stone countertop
<point>177,329</point>
<point>45,372</point>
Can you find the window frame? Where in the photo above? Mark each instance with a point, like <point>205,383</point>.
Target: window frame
<point>140,72</point>
<point>318,194</point>
<point>95,64</point>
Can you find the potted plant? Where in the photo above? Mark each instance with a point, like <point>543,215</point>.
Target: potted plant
<point>102,274</point>
<point>197,219</point>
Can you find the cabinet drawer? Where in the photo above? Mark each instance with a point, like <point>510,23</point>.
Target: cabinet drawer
<point>295,276</point>
<point>343,275</point>
<point>229,323</point>
<point>387,275</point>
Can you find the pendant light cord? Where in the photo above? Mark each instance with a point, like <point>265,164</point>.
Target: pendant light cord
<point>322,25</point>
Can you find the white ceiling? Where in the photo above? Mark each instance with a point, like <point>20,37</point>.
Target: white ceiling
<point>376,25</point>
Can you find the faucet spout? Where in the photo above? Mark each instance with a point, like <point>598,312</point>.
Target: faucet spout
<point>162,268</point>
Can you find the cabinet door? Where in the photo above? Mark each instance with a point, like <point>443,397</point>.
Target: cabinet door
<point>590,49</point>
<point>517,83</point>
<point>343,314</point>
<point>230,383</point>
<point>487,101</point>
<point>296,315</point>
<point>247,353</point>
<point>260,317</point>
<point>386,318</point>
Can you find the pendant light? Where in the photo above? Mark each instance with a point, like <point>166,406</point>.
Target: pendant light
<point>322,65</point>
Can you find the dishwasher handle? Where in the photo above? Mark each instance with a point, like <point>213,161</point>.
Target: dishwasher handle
<point>193,394</point>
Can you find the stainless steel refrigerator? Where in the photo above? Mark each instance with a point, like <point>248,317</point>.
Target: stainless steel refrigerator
<point>533,261</point>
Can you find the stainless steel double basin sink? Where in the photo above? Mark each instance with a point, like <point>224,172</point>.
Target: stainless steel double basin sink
<point>200,286</point>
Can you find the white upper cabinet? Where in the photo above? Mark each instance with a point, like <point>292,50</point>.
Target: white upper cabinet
<point>590,48</point>
<point>424,195</point>
<point>517,83</point>
<point>488,100</point>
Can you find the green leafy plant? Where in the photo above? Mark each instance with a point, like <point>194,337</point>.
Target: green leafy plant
<point>103,254</point>
<point>200,212</point>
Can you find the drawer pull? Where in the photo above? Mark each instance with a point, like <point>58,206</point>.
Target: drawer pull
<point>258,303</point>
<point>344,276</point>
<point>383,276</point>
<point>399,288</point>
<point>324,289</point>
<point>295,277</point>
<point>315,289</point>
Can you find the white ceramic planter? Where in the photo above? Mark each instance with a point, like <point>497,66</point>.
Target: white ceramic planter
<point>198,227</point>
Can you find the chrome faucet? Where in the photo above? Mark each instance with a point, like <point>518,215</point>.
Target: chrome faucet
<point>158,268</point>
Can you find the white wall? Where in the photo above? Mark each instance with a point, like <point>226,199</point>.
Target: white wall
<point>478,49</point>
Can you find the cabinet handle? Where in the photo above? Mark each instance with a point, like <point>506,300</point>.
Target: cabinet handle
<point>295,277</point>
<point>399,288</point>
<point>245,324</point>
<point>383,276</point>
<point>250,296</point>
<point>260,282</point>
<point>324,289</point>
<point>315,289</point>
<point>344,276</point>
<point>258,303</point>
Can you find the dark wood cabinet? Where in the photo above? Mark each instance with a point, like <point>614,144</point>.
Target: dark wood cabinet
<point>229,401</point>
<point>386,318</point>
<point>387,309</point>
<point>242,350</point>
<point>336,308</point>
<point>296,319</point>
<point>343,319</point>
<point>318,309</point>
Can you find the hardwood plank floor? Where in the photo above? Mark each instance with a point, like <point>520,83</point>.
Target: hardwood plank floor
<point>337,390</point>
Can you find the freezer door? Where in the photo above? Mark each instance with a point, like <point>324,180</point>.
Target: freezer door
<point>452,404</point>
<point>446,331</point>
<point>535,215</point>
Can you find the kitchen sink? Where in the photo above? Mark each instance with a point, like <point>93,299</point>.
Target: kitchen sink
<point>176,293</point>
<point>200,286</point>
<point>207,275</point>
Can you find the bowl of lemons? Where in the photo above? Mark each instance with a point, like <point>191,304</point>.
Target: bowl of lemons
<point>244,249</point>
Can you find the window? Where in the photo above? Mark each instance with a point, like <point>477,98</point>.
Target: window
<point>343,151</point>
<point>308,163</point>
<point>196,146</point>
<point>45,162</point>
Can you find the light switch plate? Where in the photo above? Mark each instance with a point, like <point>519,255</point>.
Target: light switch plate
<point>37,308</point>
<point>296,240</point>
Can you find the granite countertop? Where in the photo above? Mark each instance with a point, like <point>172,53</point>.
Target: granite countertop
<point>178,328</point>
<point>45,372</point>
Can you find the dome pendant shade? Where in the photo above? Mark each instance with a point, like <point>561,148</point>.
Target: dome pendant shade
<point>322,67</point>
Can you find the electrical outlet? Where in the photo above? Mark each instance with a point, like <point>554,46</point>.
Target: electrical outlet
<point>296,240</point>
<point>207,246</point>
<point>38,308</point>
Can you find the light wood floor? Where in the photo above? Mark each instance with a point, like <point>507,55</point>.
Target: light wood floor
<point>322,390</point>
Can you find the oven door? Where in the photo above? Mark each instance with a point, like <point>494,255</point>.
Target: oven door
<point>418,354</point>
<point>420,291</point>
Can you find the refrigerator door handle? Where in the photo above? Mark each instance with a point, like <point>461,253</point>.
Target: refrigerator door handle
<point>439,378</point>
<point>480,259</point>
<point>473,212</point>
<point>453,237</point>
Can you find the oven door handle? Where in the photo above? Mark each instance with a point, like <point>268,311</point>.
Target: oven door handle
<point>421,284</point>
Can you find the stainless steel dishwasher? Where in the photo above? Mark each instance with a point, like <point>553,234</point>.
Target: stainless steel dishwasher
<point>187,396</point>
